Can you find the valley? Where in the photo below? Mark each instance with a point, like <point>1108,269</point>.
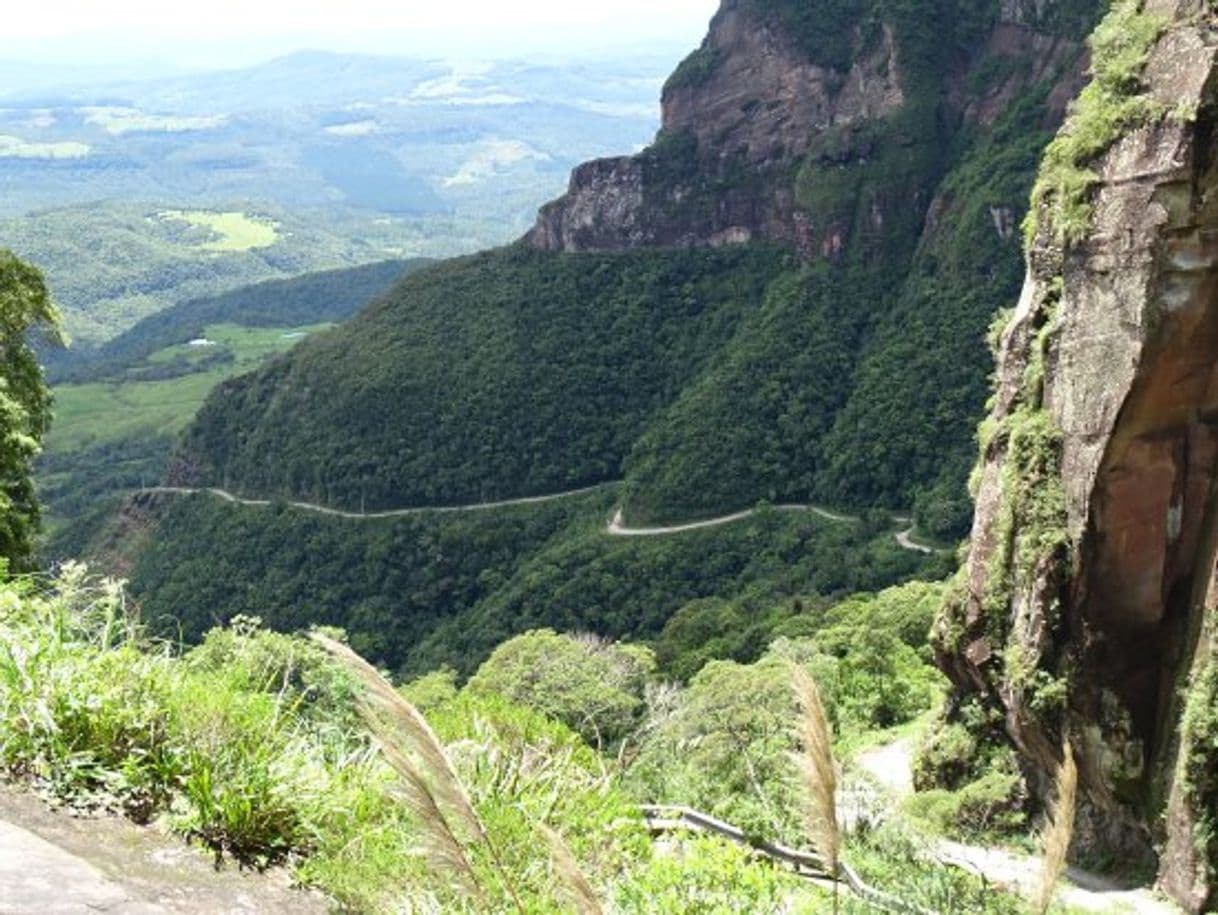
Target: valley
<point>119,407</point>
<point>135,195</point>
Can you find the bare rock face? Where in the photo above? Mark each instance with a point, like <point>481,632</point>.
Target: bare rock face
<point>1087,607</point>
<point>751,106</point>
<point>765,101</point>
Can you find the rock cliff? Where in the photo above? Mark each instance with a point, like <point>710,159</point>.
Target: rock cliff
<point>1087,608</point>
<point>777,88</point>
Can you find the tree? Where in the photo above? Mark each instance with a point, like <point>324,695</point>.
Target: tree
<point>594,687</point>
<point>25,401</point>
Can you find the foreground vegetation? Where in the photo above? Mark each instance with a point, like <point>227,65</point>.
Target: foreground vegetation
<point>253,744</point>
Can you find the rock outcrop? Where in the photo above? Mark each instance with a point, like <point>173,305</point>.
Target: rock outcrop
<point>760,100</point>
<point>1087,608</point>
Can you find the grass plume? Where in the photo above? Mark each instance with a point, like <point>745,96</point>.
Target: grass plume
<point>573,882</point>
<point>817,770</point>
<point>433,790</point>
<point>388,714</point>
<point>442,850</point>
<point>1055,839</point>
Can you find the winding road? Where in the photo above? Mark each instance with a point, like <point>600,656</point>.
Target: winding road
<point>370,516</point>
<point>617,526</point>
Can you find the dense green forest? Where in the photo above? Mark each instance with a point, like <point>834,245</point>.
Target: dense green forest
<point>706,380</point>
<point>423,591</point>
<point>508,373</point>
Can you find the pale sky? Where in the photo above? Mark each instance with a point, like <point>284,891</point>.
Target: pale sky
<point>196,32</point>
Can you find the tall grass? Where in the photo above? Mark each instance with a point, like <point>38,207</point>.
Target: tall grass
<point>433,790</point>
<point>573,883</point>
<point>1059,829</point>
<point>818,773</point>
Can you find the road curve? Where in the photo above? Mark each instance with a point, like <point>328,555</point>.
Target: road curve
<point>905,539</point>
<point>617,526</point>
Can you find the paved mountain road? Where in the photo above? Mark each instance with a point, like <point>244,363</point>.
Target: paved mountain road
<point>616,527</point>
<point>369,516</point>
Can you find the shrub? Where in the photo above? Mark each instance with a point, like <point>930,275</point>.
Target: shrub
<point>592,686</point>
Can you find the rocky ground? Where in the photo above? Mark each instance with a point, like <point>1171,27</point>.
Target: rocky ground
<point>53,863</point>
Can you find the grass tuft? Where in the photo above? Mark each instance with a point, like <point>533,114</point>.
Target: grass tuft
<point>817,770</point>
<point>1055,840</point>
<point>572,881</point>
<point>1111,105</point>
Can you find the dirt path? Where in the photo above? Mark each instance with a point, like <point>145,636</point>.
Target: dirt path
<point>54,864</point>
<point>891,766</point>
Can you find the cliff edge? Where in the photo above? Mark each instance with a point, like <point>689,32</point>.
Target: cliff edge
<point>781,92</point>
<point>1087,608</point>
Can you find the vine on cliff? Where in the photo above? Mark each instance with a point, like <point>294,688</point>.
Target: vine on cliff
<point>1112,104</point>
<point>1031,525</point>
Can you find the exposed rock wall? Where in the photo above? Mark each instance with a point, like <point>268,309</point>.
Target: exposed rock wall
<point>1088,597</point>
<point>748,109</point>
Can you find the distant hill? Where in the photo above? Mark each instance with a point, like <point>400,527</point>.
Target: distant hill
<point>118,409</point>
<point>314,298</point>
<point>357,158</point>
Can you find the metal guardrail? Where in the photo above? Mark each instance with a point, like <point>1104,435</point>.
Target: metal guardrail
<point>670,818</point>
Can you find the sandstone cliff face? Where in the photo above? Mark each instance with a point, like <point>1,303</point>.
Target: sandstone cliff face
<point>1089,598</point>
<point>751,107</point>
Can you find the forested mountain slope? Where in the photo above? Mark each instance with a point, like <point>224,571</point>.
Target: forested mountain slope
<point>848,371</point>
<point>784,298</point>
<point>508,373</point>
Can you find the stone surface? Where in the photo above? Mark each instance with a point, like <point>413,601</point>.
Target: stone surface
<point>52,863</point>
<point>1131,382</point>
<point>37,878</point>
<point>760,109</point>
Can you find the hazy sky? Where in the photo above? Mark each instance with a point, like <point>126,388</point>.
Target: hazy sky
<point>225,32</point>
